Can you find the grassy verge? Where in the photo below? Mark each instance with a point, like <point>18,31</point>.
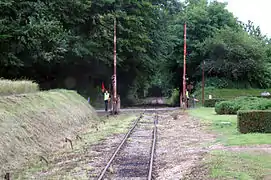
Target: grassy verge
<point>106,127</point>
<point>241,166</point>
<point>9,87</point>
<point>228,133</point>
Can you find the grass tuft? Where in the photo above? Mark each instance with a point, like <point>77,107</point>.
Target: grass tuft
<point>10,87</point>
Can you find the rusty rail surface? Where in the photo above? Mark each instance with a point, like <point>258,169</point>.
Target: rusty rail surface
<point>153,147</point>
<point>154,140</point>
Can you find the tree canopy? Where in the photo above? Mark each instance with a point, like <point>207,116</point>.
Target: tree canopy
<point>51,40</point>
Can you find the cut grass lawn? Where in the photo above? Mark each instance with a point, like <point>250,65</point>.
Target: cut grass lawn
<point>241,166</point>
<point>229,164</point>
<point>229,93</point>
<point>228,134</point>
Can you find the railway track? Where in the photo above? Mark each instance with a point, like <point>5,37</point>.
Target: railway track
<point>134,157</point>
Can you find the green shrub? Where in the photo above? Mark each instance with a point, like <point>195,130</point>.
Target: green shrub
<point>242,103</point>
<point>226,107</point>
<point>174,98</point>
<point>212,102</point>
<point>256,121</point>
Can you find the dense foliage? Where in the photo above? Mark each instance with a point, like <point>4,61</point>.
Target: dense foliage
<point>254,121</point>
<point>70,44</point>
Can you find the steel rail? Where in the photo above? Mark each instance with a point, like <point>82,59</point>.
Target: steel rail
<point>153,147</point>
<point>119,147</point>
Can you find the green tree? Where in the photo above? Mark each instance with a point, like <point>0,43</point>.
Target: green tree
<point>238,57</point>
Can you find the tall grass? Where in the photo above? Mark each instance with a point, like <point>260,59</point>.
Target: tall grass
<point>10,87</point>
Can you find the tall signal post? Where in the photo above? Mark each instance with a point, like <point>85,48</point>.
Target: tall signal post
<point>184,67</point>
<point>115,111</point>
<point>203,84</point>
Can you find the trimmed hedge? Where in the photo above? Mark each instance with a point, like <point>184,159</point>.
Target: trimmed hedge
<point>242,103</point>
<point>257,121</point>
<point>212,102</point>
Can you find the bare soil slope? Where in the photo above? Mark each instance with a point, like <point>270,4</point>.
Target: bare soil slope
<point>37,124</point>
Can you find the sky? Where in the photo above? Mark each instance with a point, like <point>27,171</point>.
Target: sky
<point>258,11</point>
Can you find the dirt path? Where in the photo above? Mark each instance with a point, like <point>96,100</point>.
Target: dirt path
<point>254,148</point>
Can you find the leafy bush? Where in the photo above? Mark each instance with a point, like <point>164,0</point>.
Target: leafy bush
<point>242,103</point>
<point>174,98</point>
<point>212,102</point>
<point>254,121</point>
<point>226,107</point>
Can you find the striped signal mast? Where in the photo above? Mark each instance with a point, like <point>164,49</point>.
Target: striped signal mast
<point>115,111</point>
<point>184,67</point>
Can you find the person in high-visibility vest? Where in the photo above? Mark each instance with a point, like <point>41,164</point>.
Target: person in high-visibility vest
<point>187,98</point>
<point>106,99</point>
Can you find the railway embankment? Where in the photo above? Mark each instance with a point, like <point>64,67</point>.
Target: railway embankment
<point>35,124</point>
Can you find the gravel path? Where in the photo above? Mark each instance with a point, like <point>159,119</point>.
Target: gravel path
<point>181,145</point>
